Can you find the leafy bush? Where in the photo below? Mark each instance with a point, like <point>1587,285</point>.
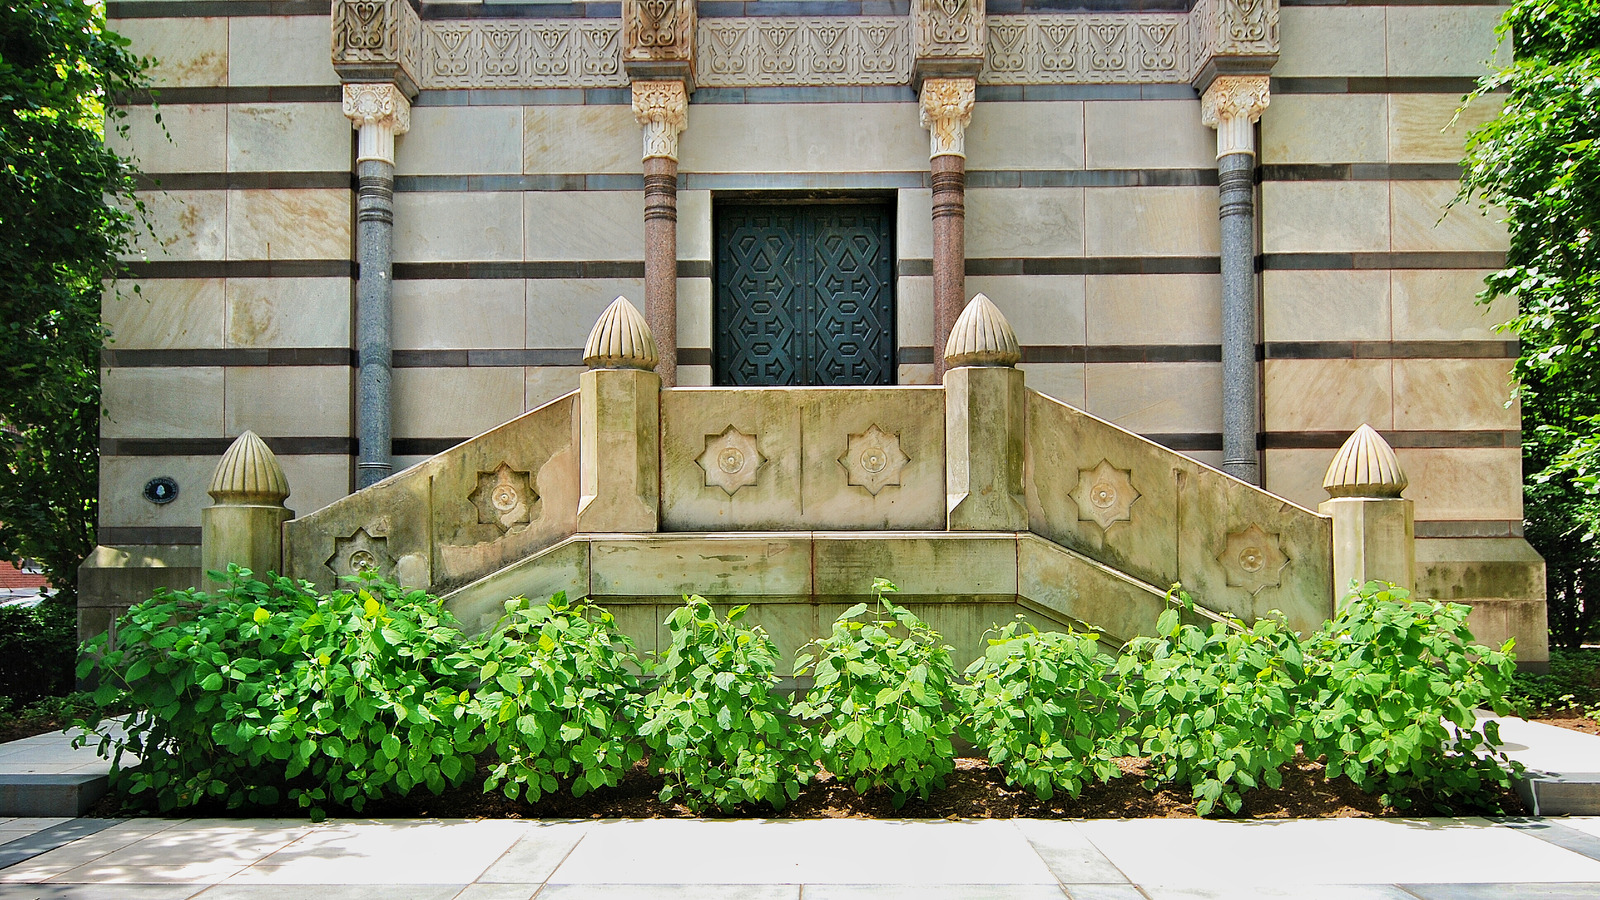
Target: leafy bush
<point>558,701</point>
<point>879,698</point>
<point>1216,708</point>
<point>1391,688</point>
<point>270,689</point>
<point>1040,704</point>
<point>713,724</point>
<point>1571,687</point>
<point>38,650</point>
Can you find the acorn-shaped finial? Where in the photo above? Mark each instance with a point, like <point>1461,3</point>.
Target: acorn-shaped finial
<point>620,340</point>
<point>1365,467</point>
<point>249,473</point>
<point>981,337</point>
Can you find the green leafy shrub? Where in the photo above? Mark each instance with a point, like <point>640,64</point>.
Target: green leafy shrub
<point>270,689</point>
<point>1040,704</point>
<point>558,701</point>
<point>1391,688</point>
<point>1570,688</point>
<point>879,695</point>
<point>713,723</point>
<point>38,650</point>
<point>1217,708</point>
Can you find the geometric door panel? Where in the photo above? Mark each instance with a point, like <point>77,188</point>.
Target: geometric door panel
<point>804,294</point>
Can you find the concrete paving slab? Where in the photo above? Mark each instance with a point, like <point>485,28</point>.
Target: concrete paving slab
<point>1563,766</point>
<point>1560,833</point>
<point>1585,824</point>
<point>1295,892</point>
<point>498,891</point>
<point>396,852</point>
<point>1504,891</point>
<point>100,891</point>
<point>935,892</point>
<point>826,851</point>
<point>335,892</point>
<point>1069,853</point>
<point>47,839</point>
<point>671,892</point>
<point>535,856</point>
<point>1104,892</point>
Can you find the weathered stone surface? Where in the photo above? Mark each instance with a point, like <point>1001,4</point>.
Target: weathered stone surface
<point>985,409</point>
<point>564,567</point>
<point>971,566</point>
<point>727,565</point>
<point>385,526</point>
<point>245,524</point>
<point>620,450</point>
<point>1374,539</point>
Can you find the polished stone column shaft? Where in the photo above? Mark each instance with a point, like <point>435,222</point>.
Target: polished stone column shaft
<point>661,261</point>
<point>946,109</point>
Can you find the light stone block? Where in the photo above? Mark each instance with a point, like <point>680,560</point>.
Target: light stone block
<point>1147,134</point>
<point>188,225</point>
<point>165,314</point>
<point>1006,223</point>
<point>1325,128</point>
<point>394,513</point>
<point>562,311</point>
<point>915,374</point>
<point>804,137</point>
<point>588,225</point>
<point>1444,40</point>
<point>694,225</point>
<point>289,312</point>
<point>541,384</point>
<point>454,403</point>
<point>279,50</point>
<point>188,52</point>
<point>1442,305</point>
<point>913,309</point>
<point>160,402</point>
<point>1296,475</point>
<point>913,226</point>
<point>441,227</point>
<point>1039,135</point>
<point>746,566</point>
<point>1152,221</point>
<point>1327,394</point>
<point>1464,483</point>
<point>1421,223</point>
<point>1153,309</point>
<point>984,411</point>
<point>694,312</point>
<point>316,481</point>
<point>694,376</point>
<point>1322,41</point>
<point>289,137</point>
<point>946,565</point>
<point>1073,587</point>
<point>1323,305</point>
<point>1467,568</point>
<point>1156,398</point>
<point>289,224</point>
<point>448,314</point>
<point>461,140</point>
<point>1059,381</point>
<point>620,451</point>
<point>565,567</point>
<point>1374,539</point>
<point>588,140</point>
<point>1454,395</point>
<point>1042,309</point>
<point>1325,217</point>
<point>1428,128</point>
<point>190,138</point>
<point>288,400</point>
<point>122,481</point>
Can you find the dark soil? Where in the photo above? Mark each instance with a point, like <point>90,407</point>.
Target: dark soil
<point>1576,723</point>
<point>975,791</point>
<point>17,729</point>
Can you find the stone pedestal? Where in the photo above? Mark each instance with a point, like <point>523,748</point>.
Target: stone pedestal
<point>245,526</point>
<point>1374,539</point>
<point>619,459</point>
<point>984,420</point>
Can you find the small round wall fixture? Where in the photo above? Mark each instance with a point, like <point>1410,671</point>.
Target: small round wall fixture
<point>161,491</point>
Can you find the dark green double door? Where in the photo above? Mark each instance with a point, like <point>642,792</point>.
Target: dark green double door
<point>804,294</point>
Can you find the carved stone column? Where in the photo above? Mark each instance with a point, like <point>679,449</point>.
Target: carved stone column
<point>662,107</point>
<point>946,111</point>
<point>1231,105</point>
<point>378,112</point>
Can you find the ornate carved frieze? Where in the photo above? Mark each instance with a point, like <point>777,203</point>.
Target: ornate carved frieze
<point>874,459</point>
<point>1105,495</point>
<point>946,110</point>
<point>511,54</point>
<point>1253,559</point>
<point>1231,105</point>
<point>1232,37</point>
<point>783,51</point>
<point>377,40</point>
<point>948,30</point>
<point>662,108</point>
<point>1087,49</point>
<point>658,38</point>
<point>378,112</point>
<point>731,460</point>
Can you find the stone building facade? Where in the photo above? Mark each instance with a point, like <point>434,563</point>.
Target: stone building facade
<point>1222,225</point>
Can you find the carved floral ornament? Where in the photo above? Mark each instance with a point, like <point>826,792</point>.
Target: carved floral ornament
<point>662,108</point>
<point>1253,559</point>
<point>731,460</point>
<point>1232,105</point>
<point>658,29</point>
<point>378,112</point>
<point>1105,495</point>
<point>361,552</point>
<point>874,459</point>
<point>504,498</point>
<point>376,40</point>
<point>946,111</point>
<point>950,28</point>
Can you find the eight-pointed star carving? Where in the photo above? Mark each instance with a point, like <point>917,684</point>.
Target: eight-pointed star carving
<point>361,552</point>
<point>874,459</point>
<point>1105,495</point>
<point>504,498</point>
<point>731,460</point>
<point>1253,559</point>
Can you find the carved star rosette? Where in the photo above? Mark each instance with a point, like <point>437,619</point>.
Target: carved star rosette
<point>359,553</point>
<point>731,460</point>
<point>504,498</point>
<point>874,459</point>
<point>1105,495</point>
<point>1253,559</point>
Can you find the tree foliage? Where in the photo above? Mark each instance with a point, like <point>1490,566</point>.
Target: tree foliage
<point>1539,160</point>
<point>62,230</point>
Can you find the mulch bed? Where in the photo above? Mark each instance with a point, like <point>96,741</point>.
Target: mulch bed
<point>1585,725</point>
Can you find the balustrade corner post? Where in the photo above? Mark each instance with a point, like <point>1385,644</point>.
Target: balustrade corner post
<point>1374,528</point>
<point>244,524</point>
<point>985,401</point>
<point>619,434</point>
<point>661,107</point>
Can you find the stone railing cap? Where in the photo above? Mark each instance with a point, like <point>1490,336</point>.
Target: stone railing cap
<point>1365,467</point>
<point>981,336</point>
<point>621,339</point>
<point>249,471</point>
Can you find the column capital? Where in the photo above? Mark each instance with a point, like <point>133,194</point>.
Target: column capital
<point>378,112</point>
<point>946,110</point>
<point>1231,105</point>
<point>662,107</point>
